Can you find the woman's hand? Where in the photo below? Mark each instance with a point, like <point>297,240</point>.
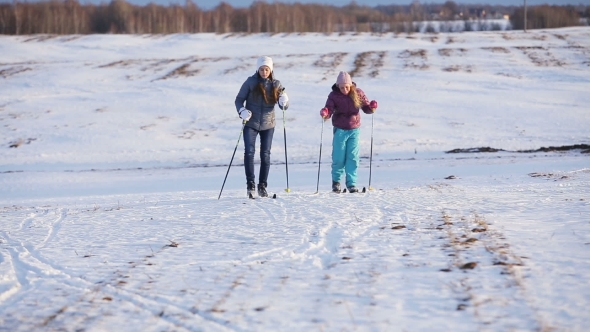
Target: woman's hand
<point>245,114</point>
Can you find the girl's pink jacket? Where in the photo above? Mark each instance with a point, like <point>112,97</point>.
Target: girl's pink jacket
<point>341,107</point>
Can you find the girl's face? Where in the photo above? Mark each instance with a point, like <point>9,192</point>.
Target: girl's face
<point>264,71</point>
<point>344,88</point>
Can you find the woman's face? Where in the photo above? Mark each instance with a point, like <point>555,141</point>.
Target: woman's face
<point>344,88</point>
<point>264,71</point>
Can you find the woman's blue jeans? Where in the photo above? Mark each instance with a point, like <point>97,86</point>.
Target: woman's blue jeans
<point>250,150</point>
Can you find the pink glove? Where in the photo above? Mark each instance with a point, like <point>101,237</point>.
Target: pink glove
<point>373,105</point>
<point>324,113</point>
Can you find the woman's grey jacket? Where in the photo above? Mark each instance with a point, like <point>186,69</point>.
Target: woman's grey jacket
<point>263,115</point>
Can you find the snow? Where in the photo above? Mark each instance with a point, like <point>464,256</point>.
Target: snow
<point>109,210</point>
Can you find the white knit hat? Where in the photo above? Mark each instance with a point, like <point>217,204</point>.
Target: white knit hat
<point>264,61</point>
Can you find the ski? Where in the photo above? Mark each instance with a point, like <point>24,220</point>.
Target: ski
<point>362,191</point>
<point>250,196</point>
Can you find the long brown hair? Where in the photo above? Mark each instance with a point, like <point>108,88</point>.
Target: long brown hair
<point>275,92</point>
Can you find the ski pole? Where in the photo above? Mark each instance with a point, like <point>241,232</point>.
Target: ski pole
<point>371,156</point>
<point>317,190</point>
<point>232,158</point>
<point>286,162</point>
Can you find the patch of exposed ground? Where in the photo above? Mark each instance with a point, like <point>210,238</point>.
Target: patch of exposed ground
<point>237,68</point>
<point>470,237</point>
<point>449,52</point>
<point>11,71</point>
<point>452,51</point>
<point>583,52</point>
<point>432,39</point>
<point>121,63</point>
<point>557,176</point>
<point>496,49</point>
<point>454,68</point>
<point>40,38</point>
<point>234,34</point>
<point>296,63</point>
<point>452,40</point>
<point>541,56</point>
<point>157,65</point>
<point>183,70</point>
<point>582,148</point>
<point>549,176</point>
<point>21,141</point>
<point>415,59</point>
<point>510,75</point>
<point>524,36</point>
<point>368,62</point>
<point>330,61</point>
<point>70,38</point>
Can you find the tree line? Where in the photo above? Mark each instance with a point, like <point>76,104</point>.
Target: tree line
<point>121,17</point>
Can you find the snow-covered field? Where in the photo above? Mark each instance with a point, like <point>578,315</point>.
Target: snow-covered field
<point>113,150</point>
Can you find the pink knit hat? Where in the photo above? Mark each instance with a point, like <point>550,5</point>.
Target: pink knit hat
<point>343,78</point>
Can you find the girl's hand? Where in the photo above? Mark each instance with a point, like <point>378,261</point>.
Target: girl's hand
<point>373,105</point>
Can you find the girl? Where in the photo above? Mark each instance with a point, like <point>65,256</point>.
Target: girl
<point>343,106</point>
<point>260,92</point>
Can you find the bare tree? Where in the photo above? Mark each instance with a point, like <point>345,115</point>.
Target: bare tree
<point>119,16</point>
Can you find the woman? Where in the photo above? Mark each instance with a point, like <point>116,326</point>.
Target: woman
<point>343,106</point>
<point>260,92</point>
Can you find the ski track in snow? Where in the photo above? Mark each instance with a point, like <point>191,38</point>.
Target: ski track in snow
<point>342,257</point>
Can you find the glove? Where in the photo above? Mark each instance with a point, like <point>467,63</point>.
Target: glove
<point>283,100</point>
<point>373,105</point>
<point>245,114</point>
<point>324,113</point>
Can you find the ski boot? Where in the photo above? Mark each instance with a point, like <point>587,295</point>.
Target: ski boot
<point>335,187</point>
<point>353,189</point>
<point>251,187</point>
<point>262,190</point>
